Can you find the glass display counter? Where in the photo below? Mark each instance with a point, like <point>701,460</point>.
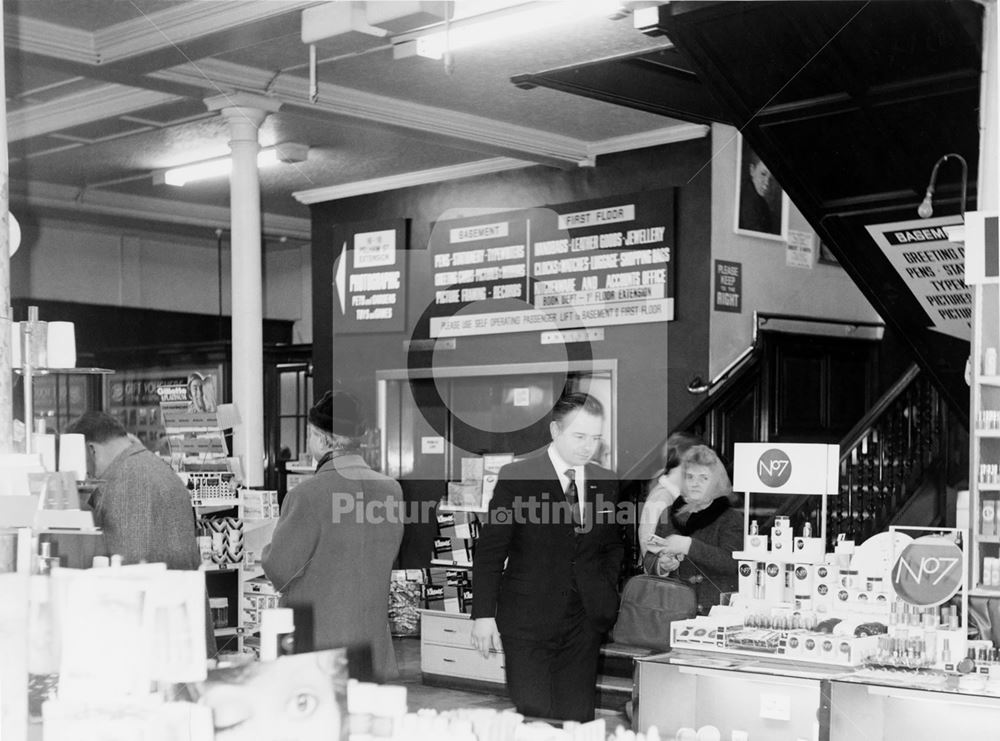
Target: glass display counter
<point>764,700</point>
<point>883,707</point>
<point>771,700</point>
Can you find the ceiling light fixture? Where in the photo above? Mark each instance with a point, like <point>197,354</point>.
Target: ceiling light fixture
<point>926,208</point>
<point>462,32</point>
<point>220,166</point>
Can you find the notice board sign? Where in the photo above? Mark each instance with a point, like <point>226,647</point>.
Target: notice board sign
<point>786,468</point>
<point>932,267</point>
<point>728,286</point>
<point>583,264</point>
<point>370,276</point>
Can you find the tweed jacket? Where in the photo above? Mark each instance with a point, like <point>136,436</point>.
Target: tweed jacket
<point>145,511</point>
<point>530,555</point>
<point>333,550</point>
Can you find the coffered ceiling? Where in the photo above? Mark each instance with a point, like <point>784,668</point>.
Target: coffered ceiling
<point>102,93</point>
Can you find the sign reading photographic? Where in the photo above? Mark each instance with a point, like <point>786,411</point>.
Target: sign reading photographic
<point>370,277</point>
<point>592,263</point>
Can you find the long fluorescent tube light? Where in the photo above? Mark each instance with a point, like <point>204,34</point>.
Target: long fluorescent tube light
<point>214,168</point>
<point>494,26</point>
<point>208,169</point>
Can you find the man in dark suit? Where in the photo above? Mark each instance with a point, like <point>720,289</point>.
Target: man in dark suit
<point>552,519</point>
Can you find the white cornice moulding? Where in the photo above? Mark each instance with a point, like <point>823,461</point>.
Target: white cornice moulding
<point>69,198</point>
<point>150,32</point>
<point>532,143</point>
<point>50,40</point>
<point>409,179</point>
<point>183,23</point>
<point>214,74</point>
<point>654,138</point>
<point>667,135</point>
<point>81,108</point>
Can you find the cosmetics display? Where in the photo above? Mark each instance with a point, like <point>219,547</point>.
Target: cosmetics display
<point>885,601</point>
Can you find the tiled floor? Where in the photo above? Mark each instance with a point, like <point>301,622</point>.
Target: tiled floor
<point>439,698</point>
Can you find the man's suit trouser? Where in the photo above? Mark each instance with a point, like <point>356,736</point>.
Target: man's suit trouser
<point>555,678</point>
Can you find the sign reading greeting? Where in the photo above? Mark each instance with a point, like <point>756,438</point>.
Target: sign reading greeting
<point>933,267</point>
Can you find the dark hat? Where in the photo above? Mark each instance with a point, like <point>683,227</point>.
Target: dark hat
<point>338,412</point>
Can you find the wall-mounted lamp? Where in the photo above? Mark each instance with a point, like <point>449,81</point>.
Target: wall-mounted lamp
<point>926,208</point>
<point>220,166</point>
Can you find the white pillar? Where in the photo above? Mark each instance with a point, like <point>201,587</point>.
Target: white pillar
<point>988,184</point>
<point>244,113</point>
<point>6,315</point>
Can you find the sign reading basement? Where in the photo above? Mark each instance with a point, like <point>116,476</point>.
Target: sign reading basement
<point>594,263</point>
<point>369,276</point>
<point>932,267</point>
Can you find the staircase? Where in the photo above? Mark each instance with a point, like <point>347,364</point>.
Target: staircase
<point>900,464</point>
<point>897,465</point>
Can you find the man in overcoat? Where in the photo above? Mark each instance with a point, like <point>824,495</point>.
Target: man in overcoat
<point>337,537</point>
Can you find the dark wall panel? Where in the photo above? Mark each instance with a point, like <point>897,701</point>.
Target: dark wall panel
<point>655,360</point>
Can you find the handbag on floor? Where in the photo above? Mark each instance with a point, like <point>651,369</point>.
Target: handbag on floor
<point>649,605</point>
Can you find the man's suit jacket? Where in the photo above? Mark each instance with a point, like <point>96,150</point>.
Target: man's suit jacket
<point>530,525</point>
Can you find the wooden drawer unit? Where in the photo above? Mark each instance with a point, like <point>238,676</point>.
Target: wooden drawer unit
<point>446,650</point>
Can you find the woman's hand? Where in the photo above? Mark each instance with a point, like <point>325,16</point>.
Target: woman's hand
<point>667,563</point>
<point>675,544</point>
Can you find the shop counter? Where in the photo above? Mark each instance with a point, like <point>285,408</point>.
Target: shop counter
<point>765,700</point>
<point>769,699</point>
<point>892,706</point>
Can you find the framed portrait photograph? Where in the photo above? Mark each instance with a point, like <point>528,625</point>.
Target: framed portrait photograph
<point>761,205</point>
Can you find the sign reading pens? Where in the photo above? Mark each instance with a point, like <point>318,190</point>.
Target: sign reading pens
<point>593,263</point>
<point>932,267</point>
<point>370,277</point>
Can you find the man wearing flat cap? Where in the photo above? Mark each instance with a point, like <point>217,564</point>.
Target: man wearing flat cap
<point>338,534</point>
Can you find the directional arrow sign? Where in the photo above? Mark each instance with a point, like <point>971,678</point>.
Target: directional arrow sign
<point>932,267</point>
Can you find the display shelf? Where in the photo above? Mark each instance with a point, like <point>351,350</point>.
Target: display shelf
<point>246,599</point>
<point>984,442</point>
<point>65,371</point>
<point>981,591</point>
<point>771,557</point>
<point>217,567</point>
<point>223,502</point>
<point>445,507</point>
<point>450,564</point>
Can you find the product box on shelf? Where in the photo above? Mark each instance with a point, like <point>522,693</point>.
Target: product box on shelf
<point>781,537</point>
<point>808,549</point>
<point>227,539</point>
<point>259,504</point>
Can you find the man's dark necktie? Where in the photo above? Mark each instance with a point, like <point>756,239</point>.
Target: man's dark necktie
<point>572,496</point>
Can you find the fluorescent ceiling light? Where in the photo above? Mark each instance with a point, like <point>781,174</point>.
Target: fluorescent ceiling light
<point>221,166</point>
<point>469,31</point>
